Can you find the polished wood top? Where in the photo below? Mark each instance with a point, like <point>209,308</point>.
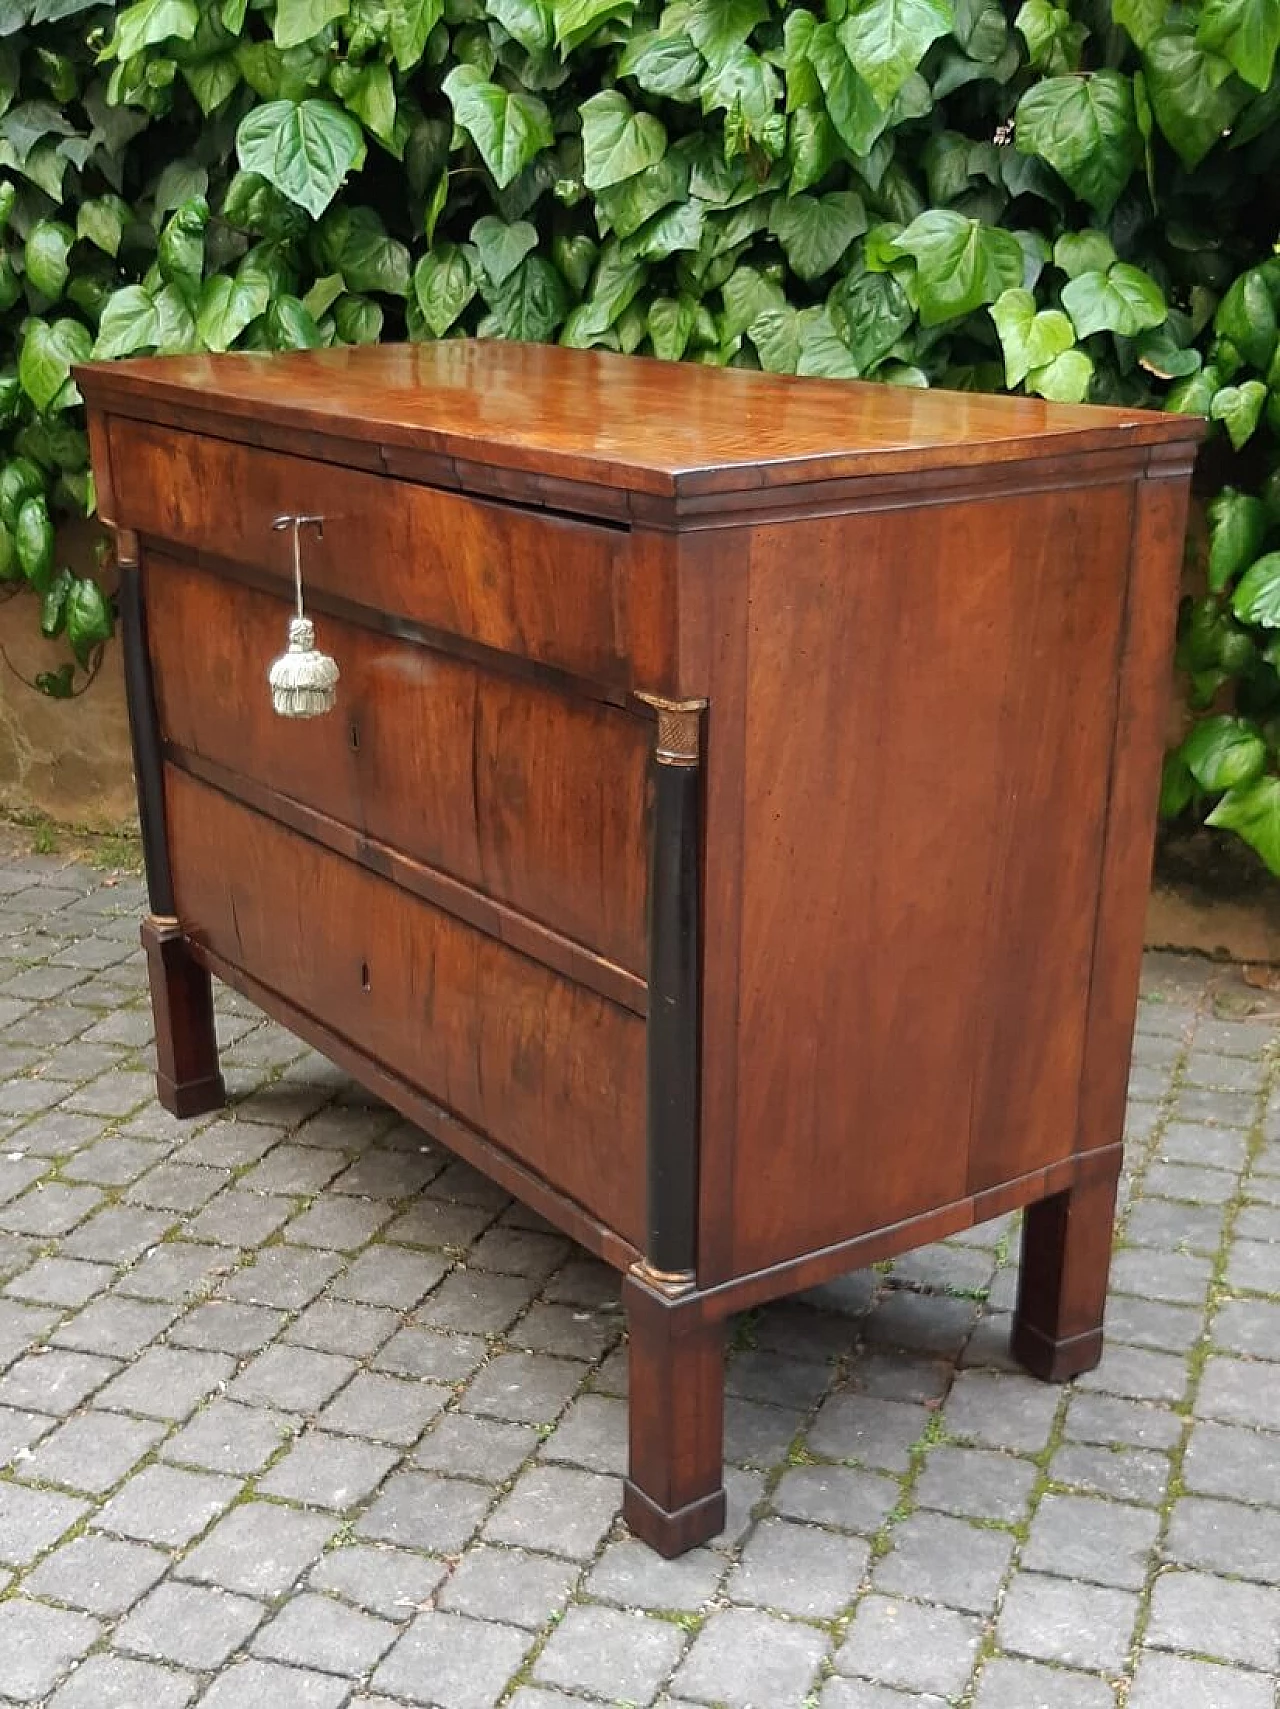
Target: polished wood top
<point>666,428</point>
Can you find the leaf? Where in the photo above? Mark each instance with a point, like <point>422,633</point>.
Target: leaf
<point>854,111</point>
<point>1191,96</point>
<point>815,231</point>
<point>1124,300</point>
<point>88,618</point>
<point>1053,40</point>
<point>1253,813</point>
<point>1224,753</point>
<point>369,92</point>
<point>823,353</point>
<point>813,147</point>
<point>357,320</point>
<point>576,20</point>
<point>409,25</point>
<point>1142,18</point>
<point>531,303</point>
<point>1247,316</point>
<point>48,248</point>
<point>56,684</point>
<point>1239,408</point>
<point>671,321</point>
<point>509,130</point>
<point>180,254</point>
<point>1257,596</point>
<point>669,66</point>
<point>502,247</point>
<point>291,325</point>
<point>33,541</point>
<point>628,205</point>
<point>1065,380</point>
<point>530,22</point>
<point>1029,340</point>
<point>618,142</point>
<point>297,21</point>
<point>1237,525</point>
<point>152,21</point>
<point>227,307</point>
<point>1086,128</point>
<point>45,361</point>
<point>717,27</point>
<point>353,241</point>
<point>887,39</point>
<point>53,606</point>
<point>130,322</point>
<point>872,313</point>
<point>304,148</point>
<point>444,282</point>
<point>213,80</point>
<point>960,263</point>
<point>1246,32</point>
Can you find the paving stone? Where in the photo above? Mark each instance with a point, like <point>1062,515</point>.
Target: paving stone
<point>1101,1542</point>
<point>1257,1222</point>
<point>117,1327</point>
<point>113,1682</point>
<point>1252,1266</point>
<point>162,1504</point>
<point>56,1381</point>
<point>233,1218</point>
<point>18,1430</point>
<point>1181,1277</point>
<point>909,1644</point>
<point>342,1326</point>
<point>592,1433</point>
<point>798,1569</point>
<point>1007,1684</point>
<point>1164,1680</point>
<point>61,1281</point>
<point>1139,1373</point>
<point>563,1511</point>
<point>760,1374</point>
<point>1222,1536</point>
<point>38,1645</point>
<point>386,1408</point>
<point>328,1471</point>
<point>526,1388</point>
<point>191,1626</point>
<point>390,1276</point>
<point>858,1694</point>
<point>1124,1474</point>
<point>226,1437</point>
<point>1215,1617</point>
<point>876,1433</point>
<point>475,1300</point>
<point>91,1452</point>
<point>179,1270</point>
<point>289,1277</point>
<point>1251,1327</point>
<point>292,1379</point>
<point>292,1170</point>
<point>50,1210</point>
<point>622,1655</point>
<point>420,1511</point>
<point>380,1173</point>
<point>571,1330</point>
<point>945,1560</point>
<point>113,1161</point>
<point>167,1382</point>
<point>227,1144</point>
<point>259,1682</point>
<point>429,1353</point>
<point>1083,1625</point>
<point>387,1581</point>
<point>475,1447</point>
<point>315,1631</point>
<point>976,1483</point>
<point>436,1226</point>
<point>508,1584</point>
<point>118,1234</point>
<point>839,1496</point>
<point>923,1323</point>
<point>1104,1421</point>
<point>1204,1147</point>
<point>996,1411</point>
<point>338,1223</point>
<point>99,1574</point>
<point>224,1327</point>
<point>259,1549</point>
<point>1189,1184</point>
<point>451,1661</point>
<point>518,1252</point>
<point>758,1435</point>
<point>21,1326</point>
<point>743,1657</point>
<point>1154,1324</point>
<point>31,1520</point>
<point>1239,1391</point>
<point>632,1574</point>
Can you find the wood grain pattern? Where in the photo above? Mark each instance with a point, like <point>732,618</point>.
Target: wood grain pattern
<point>535,798</point>
<point>550,1071</point>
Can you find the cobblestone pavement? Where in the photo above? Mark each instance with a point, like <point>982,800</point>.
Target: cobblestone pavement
<point>295,1412</point>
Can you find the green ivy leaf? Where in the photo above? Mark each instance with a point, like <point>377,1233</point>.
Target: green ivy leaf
<point>297,21</point>
<point>444,282</point>
<point>872,312</point>
<point>576,20</point>
<point>53,605</point>
<point>357,320</point>
<point>228,307</point>
<point>671,322</point>
<point>1247,316</point>
<point>177,329</point>
<point>88,618</point>
<point>1246,32</point>
<point>618,142</point>
<point>130,322</point>
<point>509,130</point>
<point>666,65</point>
<point>1053,39</point>
<point>291,325</point>
<point>815,231</point>
<point>152,21</point>
<point>852,108</point>
<point>1065,380</point>
<point>575,257</point>
<point>33,541</point>
<point>1239,409</point>
<point>1077,252</point>
<point>20,480</point>
<point>1237,525</point>
<point>409,27</point>
<point>813,147</point>
<point>48,353</point>
<point>532,302</point>
<point>212,80</point>
<point>530,22</point>
<point>47,255</point>
<point>304,148</point>
<point>1253,813</point>
<point>502,247</point>
<point>1086,128</point>
<point>1224,753</point>
<point>960,263</point>
<point>10,568</point>
<point>1142,18</point>
<point>369,92</point>
<point>1029,340</point>
<point>1257,596</point>
<point>1191,95</point>
<point>627,206</point>
<point>718,27</point>
<point>353,241</point>
<point>823,353</point>
<point>180,255</point>
<point>887,39</point>
<point>1124,300</point>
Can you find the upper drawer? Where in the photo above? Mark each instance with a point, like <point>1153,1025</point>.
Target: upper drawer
<point>525,582</point>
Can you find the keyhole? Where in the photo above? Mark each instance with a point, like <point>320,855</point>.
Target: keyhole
<point>364,975</point>
<point>355,738</point>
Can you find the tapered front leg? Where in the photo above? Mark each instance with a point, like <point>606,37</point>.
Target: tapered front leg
<point>1062,1288</point>
<point>674,1493</point>
<point>188,1080</point>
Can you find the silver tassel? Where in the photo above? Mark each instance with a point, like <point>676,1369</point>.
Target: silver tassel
<point>303,681</point>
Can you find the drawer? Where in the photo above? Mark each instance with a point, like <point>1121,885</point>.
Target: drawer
<point>548,1071</point>
<point>525,582</point>
<point>535,797</point>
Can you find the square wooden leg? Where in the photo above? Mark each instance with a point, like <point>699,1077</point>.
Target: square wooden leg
<point>188,1080</point>
<point>1062,1287</point>
<point>673,1497</point>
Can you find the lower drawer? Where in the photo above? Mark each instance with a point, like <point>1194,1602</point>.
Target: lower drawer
<point>548,1071</point>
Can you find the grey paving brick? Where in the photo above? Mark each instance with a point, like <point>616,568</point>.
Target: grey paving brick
<point>1239,1391</point>
<point>1204,1147</point>
<point>525,1388</point>
<point>31,1520</point>
<point>912,1645</point>
<point>167,1382</point>
<point>289,1277</point>
<point>390,1276</point>
<point>1138,1373</point>
<point>225,1327</point>
<point>270,1683</point>
<point>743,1657</point>
<point>1125,1474</point>
<point>1217,1108</point>
<point>508,1584</point>
<point>592,1433</point>
<point>21,1326</point>
<point>113,1161</point>
<point>315,1631</point>
<point>875,1433</point>
<point>429,1353</point>
<point>179,1270</point>
<point>383,1173</point>
<point>945,1560</point>
<point>189,1625</point>
<point>758,1435</point>
<point>18,1430</point>
<point>476,1300</point>
<point>233,1218</point>
<point>556,1508</point>
<point>976,1483</point>
<point>226,1437</point>
<point>1014,1413</point>
<point>1164,1680</point>
<point>518,1252</point>
<point>259,1549</point>
<point>177,1186</point>
<point>114,1682</point>
<point>387,1581</point>
<point>635,1576</point>
<point>1181,1277</point>
<point>1257,1222</point>
<point>167,1505</point>
<point>118,1234</point>
<point>449,1660</point>
<point>1101,1542</point>
<point>923,1323</point>
<point>1007,1684</point>
<point>321,1470</point>
<point>1222,1536</point>
<point>231,1143</point>
<point>1153,1324</point>
<point>1083,1625</point>
<point>98,1574</point>
<point>759,1373</point>
<point>38,1645</point>
<point>1216,1618</point>
<point>1189,1184</point>
<point>572,1330</point>
<point>840,1693</point>
<point>482,1448</point>
<point>418,1510</point>
<point>528,1697</point>
<point>55,1134</point>
<point>436,1226</point>
<point>119,1328</point>
<point>342,1326</point>
<point>56,1381</point>
<point>386,1408</point>
<point>622,1655</point>
<point>61,1281</point>
<point>50,1210</point>
<point>798,1569</point>
<point>1104,1421</point>
<point>291,1379</point>
<point>292,1170</point>
<point>840,1496</point>
<point>91,1452</point>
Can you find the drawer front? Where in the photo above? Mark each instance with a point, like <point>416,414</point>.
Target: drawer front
<point>536,585</point>
<point>533,797</point>
<point>551,1073</point>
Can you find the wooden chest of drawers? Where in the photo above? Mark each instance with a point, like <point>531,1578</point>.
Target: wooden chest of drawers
<point>733,827</point>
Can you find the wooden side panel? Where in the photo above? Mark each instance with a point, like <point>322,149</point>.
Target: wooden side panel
<point>524,582</point>
<point>537,798</point>
<point>927,746</point>
<point>550,1072</point>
